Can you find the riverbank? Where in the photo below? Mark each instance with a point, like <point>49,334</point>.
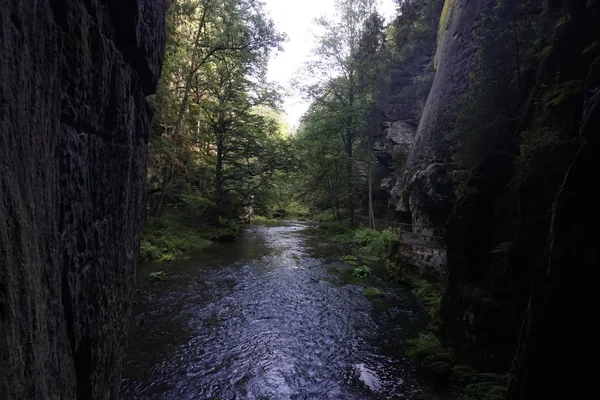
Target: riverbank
<point>367,251</point>
<point>264,317</point>
<point>167,238</point>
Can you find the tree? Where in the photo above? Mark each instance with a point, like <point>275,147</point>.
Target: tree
<point>333,79</point>
<point>206,105</point>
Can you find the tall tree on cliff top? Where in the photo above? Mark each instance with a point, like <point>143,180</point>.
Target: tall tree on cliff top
<point>333,78</point>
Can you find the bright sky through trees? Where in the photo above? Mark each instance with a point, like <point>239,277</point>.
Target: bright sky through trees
<point>295,18</point>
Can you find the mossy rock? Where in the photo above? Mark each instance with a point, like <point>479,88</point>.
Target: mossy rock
<point>372,292</point>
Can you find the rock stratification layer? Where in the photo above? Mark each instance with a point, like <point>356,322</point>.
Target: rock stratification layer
<point>73,131</point>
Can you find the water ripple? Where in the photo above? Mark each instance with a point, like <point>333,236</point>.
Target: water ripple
<point>260,319</point>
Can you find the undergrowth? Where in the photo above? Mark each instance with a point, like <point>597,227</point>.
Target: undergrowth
<point>167,238</point>
<point>260,220</point>
<point>441,362</point>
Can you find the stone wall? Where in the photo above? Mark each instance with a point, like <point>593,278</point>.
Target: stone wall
<point>73,134</point>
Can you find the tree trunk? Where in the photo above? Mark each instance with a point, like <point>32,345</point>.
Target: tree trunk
<point>182,109</point>
<point>370,183</point>
<point>219,178</point>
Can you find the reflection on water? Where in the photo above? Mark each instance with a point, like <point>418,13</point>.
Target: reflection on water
<point>262,318</point>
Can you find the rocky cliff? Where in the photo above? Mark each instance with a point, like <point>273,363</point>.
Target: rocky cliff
<point>428,184</point>
<point>497,231</point>
<point>73,133</point>
<point>549,352</point>
<point>499,131</point>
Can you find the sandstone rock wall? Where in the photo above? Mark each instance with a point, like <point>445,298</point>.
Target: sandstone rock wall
<point>428,185</point>
<point>73,133</point>
<point>553,338</point>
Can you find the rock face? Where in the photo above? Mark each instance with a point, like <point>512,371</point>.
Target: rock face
<point>497,231</point>
<point>73,133</point>
<point>428,184</point>
<point>547,363</point>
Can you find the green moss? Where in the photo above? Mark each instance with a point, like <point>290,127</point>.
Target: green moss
<point>372,292</point>
<point>564,93</point>
<point>592,48</point>
<point>543,53</point>
<point>447,13</point>
<point>563,20</point>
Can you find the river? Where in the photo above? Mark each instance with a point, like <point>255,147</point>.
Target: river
<point>264,317</point>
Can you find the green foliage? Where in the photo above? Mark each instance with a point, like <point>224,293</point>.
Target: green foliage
<point>564,92</point>
<point>540,151</point>
<point>478,385</point>
<point>158,276</point>
<point>336,134</point>
<point>168,238</point>
<point>228,229</point>
<point>592,48</point>
<point>441,361</point>
<point>361,272</point>
<point>373,243</point>
<point>349,259</point>
<point>467,382</point>
<point>544,52</point>
<point>325,217</point>
<point>216,144</point>
<point>431,295</point>
<point>428,350</point>
<point>260,220</point>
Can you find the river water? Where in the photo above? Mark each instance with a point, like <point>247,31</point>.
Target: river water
<point>265,317</point>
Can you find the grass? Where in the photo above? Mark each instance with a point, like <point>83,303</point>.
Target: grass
<point>260,220</point>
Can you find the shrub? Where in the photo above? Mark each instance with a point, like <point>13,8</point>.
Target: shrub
<point>158,276</point>
<point>166,239</point>
<point>361,272</point>
<point>373,243</point>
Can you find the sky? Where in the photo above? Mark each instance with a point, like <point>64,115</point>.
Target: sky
<point>295,19</point>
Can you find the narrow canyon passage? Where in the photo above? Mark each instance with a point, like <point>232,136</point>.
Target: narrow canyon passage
<point>265,317</point>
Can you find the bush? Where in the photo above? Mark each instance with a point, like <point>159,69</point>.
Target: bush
<point>467,382</point>
<point>431,295</point>
<point>428,350</point>
<point>373,243</point>
<point>158,276</point>
<point>166,239</point>
<point>361,272</point>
